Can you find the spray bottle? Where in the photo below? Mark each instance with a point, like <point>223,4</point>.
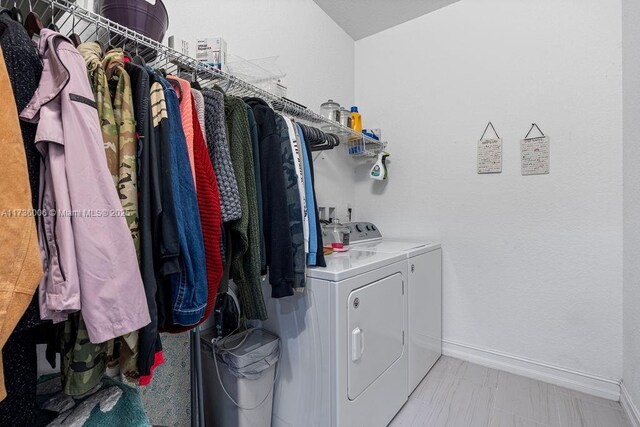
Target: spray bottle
<point>379,169</point>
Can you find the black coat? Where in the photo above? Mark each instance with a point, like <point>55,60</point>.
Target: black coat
<point>277,236</point>
<point>149,210</point>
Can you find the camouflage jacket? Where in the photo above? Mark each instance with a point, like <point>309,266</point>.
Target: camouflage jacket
<point>125,152</point>
<point>126,178</point>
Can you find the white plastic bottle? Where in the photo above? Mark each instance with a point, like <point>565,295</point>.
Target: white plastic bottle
<point>379,169</point>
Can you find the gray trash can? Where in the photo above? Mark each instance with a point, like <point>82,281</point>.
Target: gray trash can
<point>238,375</point>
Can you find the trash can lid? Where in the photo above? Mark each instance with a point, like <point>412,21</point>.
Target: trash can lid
<point>248,353</point>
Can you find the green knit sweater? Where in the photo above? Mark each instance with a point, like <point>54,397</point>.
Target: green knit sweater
<point>245,235</point>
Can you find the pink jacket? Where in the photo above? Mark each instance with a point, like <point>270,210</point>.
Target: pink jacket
<point>88,254</point>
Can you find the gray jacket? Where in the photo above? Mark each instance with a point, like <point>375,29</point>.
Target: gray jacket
<point>293,199</point>
<point>218,146</point>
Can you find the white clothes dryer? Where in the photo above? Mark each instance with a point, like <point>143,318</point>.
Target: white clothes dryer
<point>424,295</point>
<point>343,355</point>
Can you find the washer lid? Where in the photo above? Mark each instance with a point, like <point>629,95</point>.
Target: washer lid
<point>342,265</point>
<point>408,247</point>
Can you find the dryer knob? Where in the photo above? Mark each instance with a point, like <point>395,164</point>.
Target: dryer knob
<point>358,228</point>
<point>368,228</point>
<point>373,227</point>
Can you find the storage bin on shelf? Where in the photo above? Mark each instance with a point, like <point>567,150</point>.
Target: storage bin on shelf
<point>363,146</point>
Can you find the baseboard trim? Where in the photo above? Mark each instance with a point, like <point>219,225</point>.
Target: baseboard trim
<point>586,383</point>
<point>629,406</point>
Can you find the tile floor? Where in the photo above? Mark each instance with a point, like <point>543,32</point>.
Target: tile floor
<point>457,393</point>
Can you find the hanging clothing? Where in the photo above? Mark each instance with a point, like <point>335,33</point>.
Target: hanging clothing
<point>126,173</point>
<point>21,268</point>
<point>90,262</point>
<point>19,353</point>
<point>183,90</point>
<point>92,54</point>
<point>275,208</point>
<point>245,258</point>
<point>210,218</point>
<point>198,98</point>
<point>298,162</point>
<point>83,361</point>
<point>319,255</point>
<point>166,244</point>
<point>189,285</point>
<point>218,146</point>
<point>311,207</point>
<point>24,69</point>
<point>255,149</point>
<point>127,183</point>
<point>167,249</point>
<point>294,210</point>
<point>210,213</point>
<point>149,209</point>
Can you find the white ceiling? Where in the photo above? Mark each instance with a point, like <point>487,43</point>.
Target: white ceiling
<point>362,18</point>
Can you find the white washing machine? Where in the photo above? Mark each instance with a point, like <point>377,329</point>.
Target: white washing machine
<point>343,343</point>
<point>424,295</point>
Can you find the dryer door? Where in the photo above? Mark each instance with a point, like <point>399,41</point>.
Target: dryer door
<point>376,335</point>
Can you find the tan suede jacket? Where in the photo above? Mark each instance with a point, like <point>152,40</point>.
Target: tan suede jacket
<point>20,263</point>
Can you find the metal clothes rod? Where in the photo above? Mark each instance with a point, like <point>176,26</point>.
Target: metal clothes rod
<point>90,25</point>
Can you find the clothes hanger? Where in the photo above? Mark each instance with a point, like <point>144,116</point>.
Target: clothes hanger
<point>316,138</point>
<point>33,23</point>
<point>177,87</point>
<point>110,43</point>
<point>74,37</point>
<point>159,65</point>
<point>321,141</point>
<point>127,56</point>
<point>194,81</point>
<point>52,26</point>
<point>137,59</point>
<point>16,14</point>
<point>106,48</point>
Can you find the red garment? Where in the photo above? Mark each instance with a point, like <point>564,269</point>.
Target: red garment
<point>210,216</point>
<point>157,361</point>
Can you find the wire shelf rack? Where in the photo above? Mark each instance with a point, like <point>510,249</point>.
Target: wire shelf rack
<point>90,26</point>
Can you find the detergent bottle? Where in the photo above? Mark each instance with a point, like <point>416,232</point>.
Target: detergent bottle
<point>356,119</point>
<point>379,169</point>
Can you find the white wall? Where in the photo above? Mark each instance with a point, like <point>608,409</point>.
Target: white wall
<point>631,131</point>
<point>313,50</point>
<point>532,265</point>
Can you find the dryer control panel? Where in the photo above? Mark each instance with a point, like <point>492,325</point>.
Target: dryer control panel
<point>362,231</point>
